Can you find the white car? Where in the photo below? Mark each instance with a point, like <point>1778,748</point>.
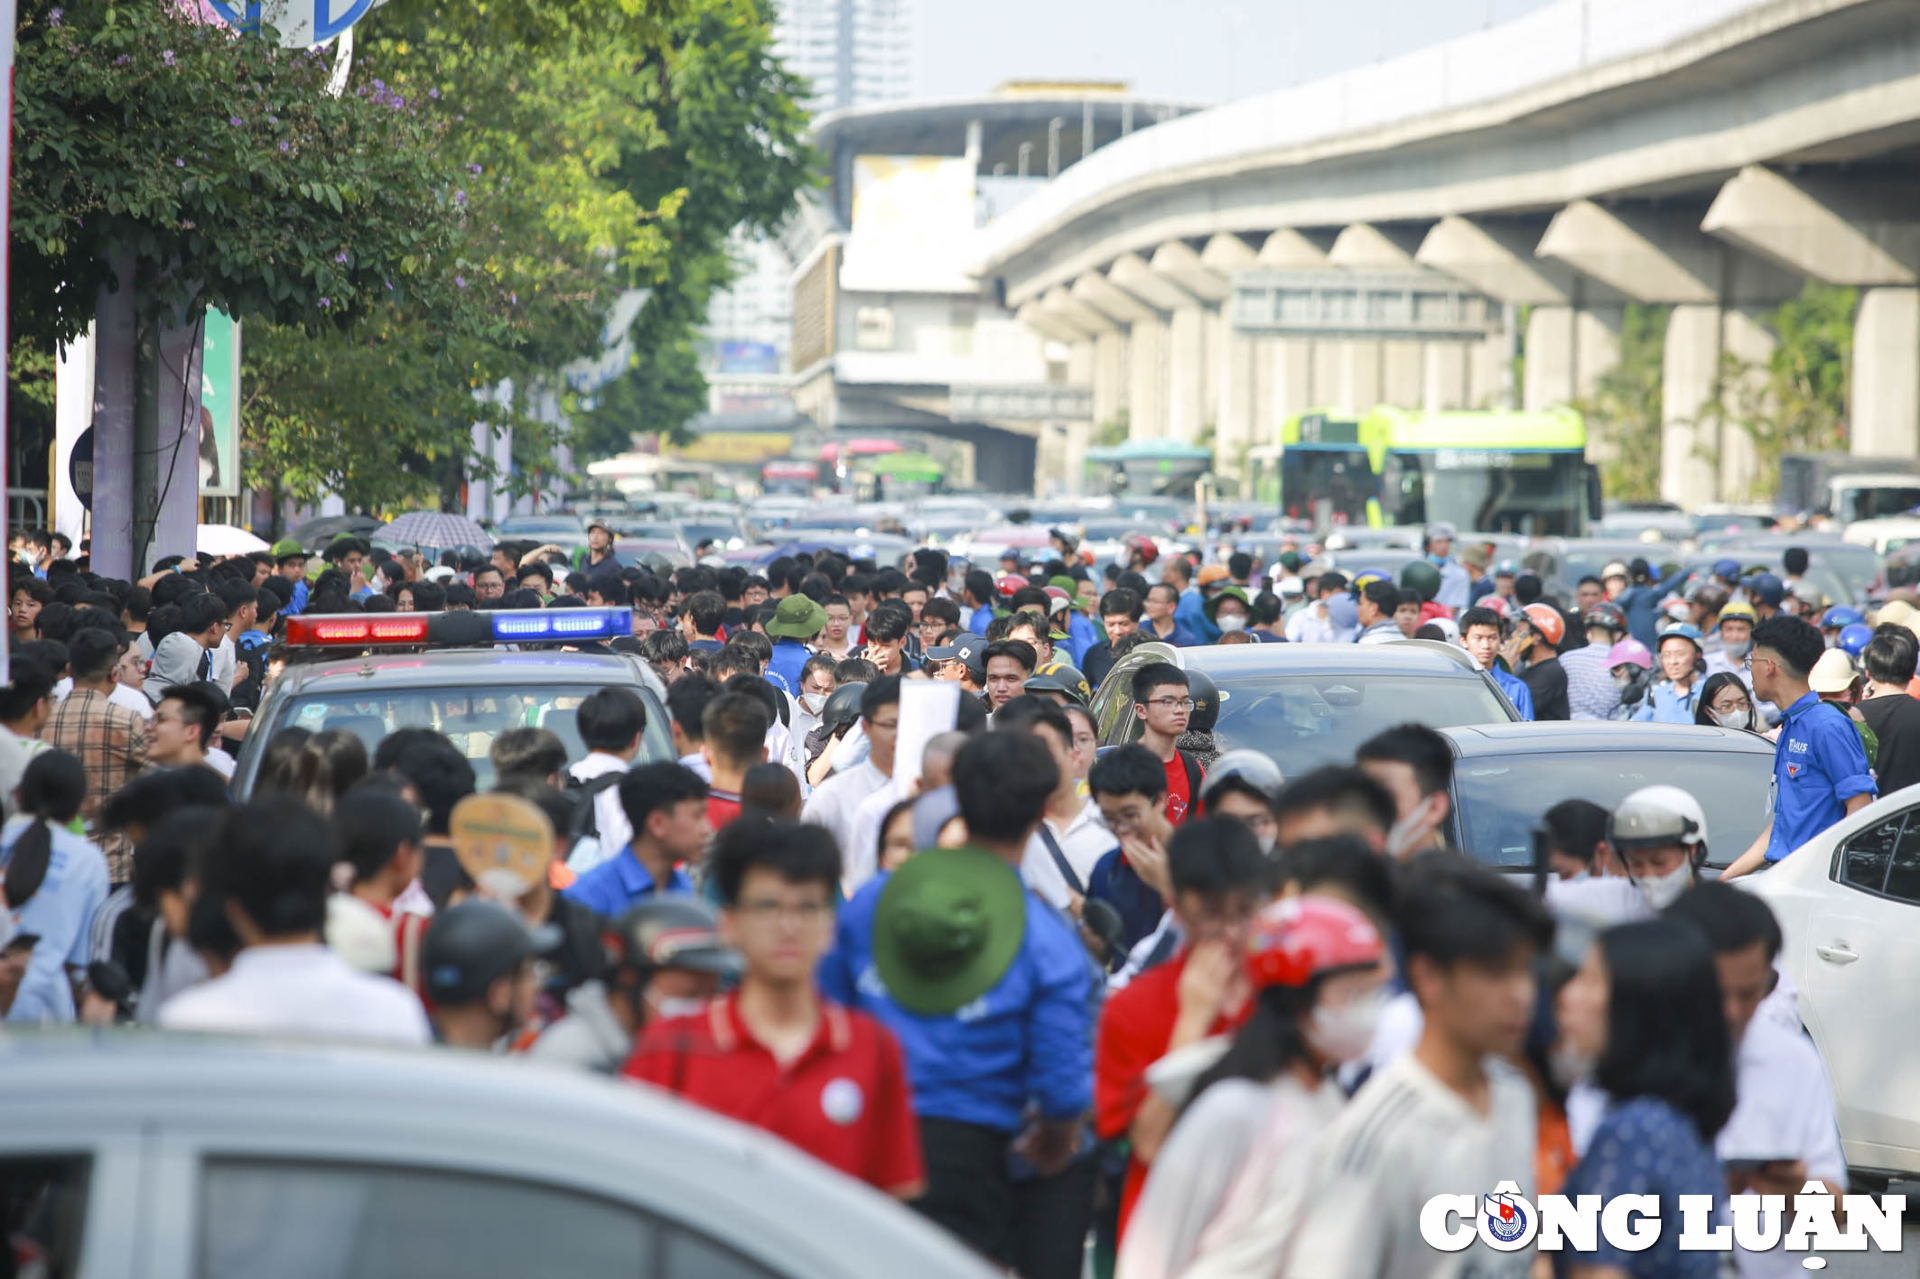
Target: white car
<point>1848,902</point>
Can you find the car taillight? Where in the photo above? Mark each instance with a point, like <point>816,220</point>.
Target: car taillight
<point>355,629</point>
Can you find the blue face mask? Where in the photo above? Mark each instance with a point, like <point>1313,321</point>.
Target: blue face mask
<point>1437,560</point>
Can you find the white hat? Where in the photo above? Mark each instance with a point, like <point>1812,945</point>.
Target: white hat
<point>440,573</point>
<point>1291,586</point>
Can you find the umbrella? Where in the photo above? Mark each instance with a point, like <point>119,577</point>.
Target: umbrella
<point>225,539</point>
<point>438,529</point>
<point>315,534</point>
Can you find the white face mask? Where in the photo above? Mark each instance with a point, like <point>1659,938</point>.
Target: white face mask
<point>1345,1033</point>
<point>665,1008</point>
<point>812,702</point>
<point>1662,891</point>
<point>1732,719</point>
<point>1230,623</point>
<point>1736,652</point>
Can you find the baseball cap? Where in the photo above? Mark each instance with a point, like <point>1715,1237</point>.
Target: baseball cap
<point>966,647</point>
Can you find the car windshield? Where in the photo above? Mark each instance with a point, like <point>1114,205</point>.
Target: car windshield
<point>1304,721</point>
<point>1502,797</point>
<point>471,718</point>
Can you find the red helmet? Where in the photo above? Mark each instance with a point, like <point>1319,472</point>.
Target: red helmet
<point>1547,620</point>
<point>1010,582</point>
<point>1148,548</point>
<point>1299,938</point>
<point>1498,603</point>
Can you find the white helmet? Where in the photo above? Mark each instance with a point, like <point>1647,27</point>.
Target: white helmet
<point>1654,816</point>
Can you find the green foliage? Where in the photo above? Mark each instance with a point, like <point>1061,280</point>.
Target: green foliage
<point>1794,401</point>
<point>1113,432</point>
<point>233,179</point>
<point>1624,408</point>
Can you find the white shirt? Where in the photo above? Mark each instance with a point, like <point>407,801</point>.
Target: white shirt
<point>833,806</point>
<point>1404,1138</point>
<point>1224,1194</point>
<point>304,990</point>
<point>615,832</point>
<point>226,662</point>
<point>134,700</point>
<point>221,762</point>
<point>697,764</point>
<point>63,689</point>
<point>861,854</point>
<point>1311,625</point>
<point>1785,1111</point>
<point>1083,842</point>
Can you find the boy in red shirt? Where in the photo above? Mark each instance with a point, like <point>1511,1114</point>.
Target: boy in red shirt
<point>1164,696</point>
<point>1220,880</point>
<point>733,731</point>
<point>774,1053</point>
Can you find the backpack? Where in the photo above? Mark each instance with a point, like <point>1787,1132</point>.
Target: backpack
<point>585,823</point>
<point>1195,776</point>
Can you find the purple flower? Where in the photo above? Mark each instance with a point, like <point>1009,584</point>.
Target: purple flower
<point>273,119</point>
<point>514,298</point>
<point>284,146</point>
<point>460,280</point>
<point>340,256</point>
<point>326,304</point>
<point>379,86</point>
<point>399,103</point>
<point>473,168</point>
<point>179,164</point>
<point>389,284</point>
<point>459,197</point>
<point>54,16</point>
<point>234,121</point>
<point>122,60</point>
<point>434,94</point>
<point>166,56</point>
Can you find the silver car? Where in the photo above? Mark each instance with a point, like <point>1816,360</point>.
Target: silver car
<point>169,1157</point>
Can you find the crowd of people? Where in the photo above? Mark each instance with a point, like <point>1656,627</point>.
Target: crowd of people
<point>1216,1021</point>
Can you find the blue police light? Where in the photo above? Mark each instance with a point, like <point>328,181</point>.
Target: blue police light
<point>562,624</point>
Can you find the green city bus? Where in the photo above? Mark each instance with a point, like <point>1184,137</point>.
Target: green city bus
<point>1495,471</point>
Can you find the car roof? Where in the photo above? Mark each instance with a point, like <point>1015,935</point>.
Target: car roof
<point>1402,657</point>
<point>1545,736</point>
<point>256,1097</point>
<point>439,668</point>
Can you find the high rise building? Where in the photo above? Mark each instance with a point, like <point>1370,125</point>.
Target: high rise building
<point>855,52</point>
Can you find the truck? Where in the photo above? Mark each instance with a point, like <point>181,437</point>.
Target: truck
<point>1847,487</point>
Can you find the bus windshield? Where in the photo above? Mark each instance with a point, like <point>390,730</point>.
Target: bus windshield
<point>1327,486</point>
<point>1498,490</point>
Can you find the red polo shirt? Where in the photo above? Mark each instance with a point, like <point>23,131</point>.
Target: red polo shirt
<point>1135,1029</point>
<point>844,1100</point>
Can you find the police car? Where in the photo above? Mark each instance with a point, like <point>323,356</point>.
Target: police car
<point>469,675</point>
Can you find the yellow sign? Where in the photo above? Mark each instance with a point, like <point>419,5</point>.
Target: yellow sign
<point>503,843</point>
<point>736,447</point>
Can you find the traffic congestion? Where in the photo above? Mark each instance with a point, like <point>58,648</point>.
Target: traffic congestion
<point>1201,901</point>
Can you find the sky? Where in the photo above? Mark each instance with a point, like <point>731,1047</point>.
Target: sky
<point>1195,50</point>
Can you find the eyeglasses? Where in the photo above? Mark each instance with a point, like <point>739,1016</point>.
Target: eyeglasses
<point>1173,703</point>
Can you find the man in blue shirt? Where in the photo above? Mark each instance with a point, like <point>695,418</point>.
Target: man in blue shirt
<point>1190,610</point>
<point>1480,635</point>
<point>990,994</point>
<point>667,807</point>
<point>290,562</point>
<point>1820,771</point>
<point>977,598</point>
<point>1162,623</point>
<point>796,620</point>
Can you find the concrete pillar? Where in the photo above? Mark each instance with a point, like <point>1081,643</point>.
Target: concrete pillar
<point>1885,408</point>
<point>1187,374</point>
<point>1596,344</point>
<point>1687,381</point>
<point>1445,376</point>
<point>1109,377</point>
<point>1218,332</point>
<point>1240,419</point>
<point>1147,342</point>
<point>1078,437</point>
<point>1289,249</point>
<point>1743,337</point>
<point>1294,388</point>
<point>1548,378</point>
<point>1403,373</point>
<point>1080,362</point>
<point>1487,363</point>
<point>1178,263</point>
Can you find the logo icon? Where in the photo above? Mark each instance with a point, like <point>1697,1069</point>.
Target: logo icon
<point>1507,1216</point>
<point>842,1100</point>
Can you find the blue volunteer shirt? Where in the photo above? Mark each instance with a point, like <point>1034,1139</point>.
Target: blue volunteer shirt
<point>980,619</point>
<point>789,659</point>
<point>1517,692</point>
<point>1818,765</point>
<point>1030,1037</point>
<point>619,882</point>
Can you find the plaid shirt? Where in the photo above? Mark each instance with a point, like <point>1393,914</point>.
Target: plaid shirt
<point>111,743</point>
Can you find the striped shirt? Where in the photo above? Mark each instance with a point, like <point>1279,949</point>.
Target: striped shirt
<point>1591,693</point>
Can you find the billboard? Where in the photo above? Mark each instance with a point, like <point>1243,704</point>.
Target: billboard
<point>220,407</point>
<point>749,357</point>
<point>912,226</point>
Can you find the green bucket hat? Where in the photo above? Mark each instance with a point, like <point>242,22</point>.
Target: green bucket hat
<point>947,927</point>
<point>1062,581</point>
<point>287,548</point>
<point>1212,607</point>
<point>797,617</point>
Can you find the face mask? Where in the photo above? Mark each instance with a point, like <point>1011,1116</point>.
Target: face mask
<point>1662,891</point>
<point>1732,719</point>
<point>1267,844</point>
<point>1230,623</point>
<point>1569,1066</point>
<point>1437,559</point>
<point>665,1008</point>
<point>1737,652</point>
<point>812,702</point>
<point>1345,1033</point>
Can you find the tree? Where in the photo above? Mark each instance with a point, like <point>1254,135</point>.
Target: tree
<point>1795,400</point>
<point>1625,406</point>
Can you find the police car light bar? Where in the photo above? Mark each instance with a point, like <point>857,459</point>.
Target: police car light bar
<point>373,630</point>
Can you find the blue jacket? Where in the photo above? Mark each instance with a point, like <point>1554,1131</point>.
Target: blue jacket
<point>1081,636</point>
<point>1640,604</point>
<point>1191,613</point>
<point>980,619</point>
<point>789,658</point>
<point>1029,1038</point>
<point>298,603</point>
<point>1517,692</point>
<point>1180,638</point>
<point>1665,705</point>
<point>619,882</point>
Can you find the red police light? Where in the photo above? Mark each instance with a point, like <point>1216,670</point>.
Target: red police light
<point>357,630</point>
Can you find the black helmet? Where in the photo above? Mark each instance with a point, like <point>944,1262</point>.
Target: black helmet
<point>668,932</point>
<point>470,946</point>
<point>1206,702</point>
<point>843,706</point>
